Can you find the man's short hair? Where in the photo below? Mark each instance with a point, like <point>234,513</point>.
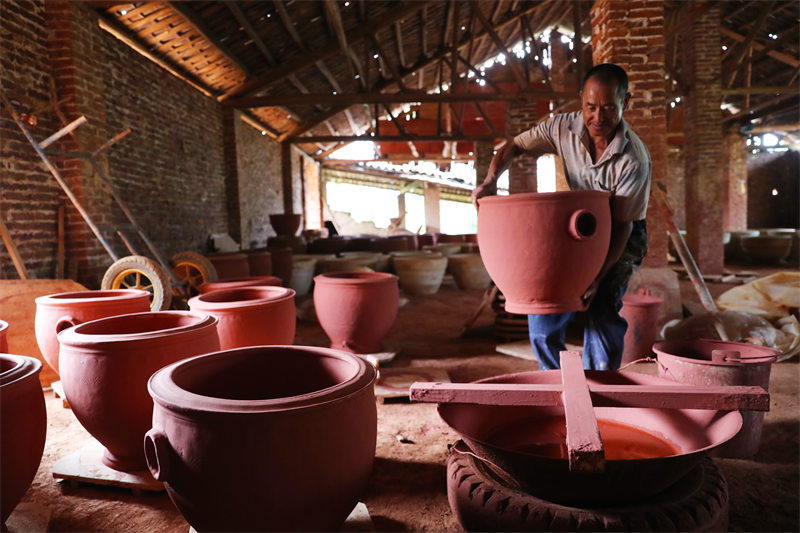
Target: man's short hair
<point>608,73</point>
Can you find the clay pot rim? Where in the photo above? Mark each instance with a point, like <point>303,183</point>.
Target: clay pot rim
<point>273,295</point>
<point>302,260</point>
<point>665,351</point>
<point>434,258</point>
<point>540,196</point>
<point>642,300</point>
<point>75,337</point>
<point>91,298</point>
<point>464,255</point>
<point>241,279</point>
<point>164,390</point>
<point>24,368</point>
<point>354,277</point>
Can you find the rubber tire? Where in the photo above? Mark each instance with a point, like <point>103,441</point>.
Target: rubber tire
<point>160,286</point>
<point>203,271</point>
<point>483,501</point>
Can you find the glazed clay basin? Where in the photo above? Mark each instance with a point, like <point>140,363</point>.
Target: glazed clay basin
<point>105,365</point>
<point>250,316</point>
<point>543,250</point>
<point>57,312</point>
<point>235,283</point>
<point>356,309</point>
<point>694,432</point>
<point>23,425</point>
<point>264,438</point>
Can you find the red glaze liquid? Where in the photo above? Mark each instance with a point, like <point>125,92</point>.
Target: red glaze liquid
<point>547,438</point>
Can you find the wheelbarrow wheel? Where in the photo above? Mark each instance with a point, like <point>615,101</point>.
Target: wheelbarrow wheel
<point>194,269</point>
<point>139,272</point>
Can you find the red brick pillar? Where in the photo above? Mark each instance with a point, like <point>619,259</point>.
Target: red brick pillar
<point>735,171</point>
<point>704,144</point>
<point>631,35</point>
<point>229,118</point>
<point>432,195</point>
<point>312,200</point>
<point>484,151</point>
<point>521,116</point>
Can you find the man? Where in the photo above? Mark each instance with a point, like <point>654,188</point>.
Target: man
<point>599,151</point>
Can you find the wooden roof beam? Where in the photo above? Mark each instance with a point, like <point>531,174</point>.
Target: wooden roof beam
<point>757,46</point>
<point>398,37</point>
<point>194,20</point>
<point>745,45</point>
<point>387,64</point>
<point>391,138</point>
<point>334,20</point>
<point>512,60</point>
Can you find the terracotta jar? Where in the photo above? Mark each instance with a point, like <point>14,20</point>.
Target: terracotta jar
<point>409,238</point>
<point>23,426</point>
<point>468,271</point>
<point>356,309</point>
<point>641,311</point>
<point>543,250</point>
<point>285,224</point>
<point>264,438</point>
<point>235,283</point>
<point>303,267</point>
<point>105,365</point>
<point>260,262</point>
<point>250,316</point>
<point>3,337</point>
<point>282,264</point>
<point>230,264</point>
<point>57,312</point>
<point>421,274</point>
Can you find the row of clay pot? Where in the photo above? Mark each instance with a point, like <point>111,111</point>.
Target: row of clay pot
<point>392,243</point>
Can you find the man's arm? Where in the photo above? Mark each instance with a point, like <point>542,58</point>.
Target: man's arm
<point>620,232</point>
<point>500,163</point>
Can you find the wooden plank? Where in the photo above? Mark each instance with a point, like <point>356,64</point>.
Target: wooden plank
<point>12,251</point>
<point>60,242</point>
<point>584,445</point>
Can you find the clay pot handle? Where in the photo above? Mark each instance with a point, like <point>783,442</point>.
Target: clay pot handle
<point>66,321</point>
<point>157,451</point>
<point>582,225</point>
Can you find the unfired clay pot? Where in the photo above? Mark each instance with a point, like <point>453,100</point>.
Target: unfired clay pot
<point>264,438</point>
<point>374,260</point>
<point>285,224</point>
<point>711,362</point>
<point>641,311</point>
<point>282,264</point>
<point>3,337</point>
<point>235,283</point>
<point>260,262</point>
<point>250,316</point>
<point>356,309</point>
<point>230,264</point>
<point>468,271</point>
<point>303,267</point>
<point>420,274</point>
<point>57,312</point>
<point>543,250</point>
<point>105,365</point>
<point>23,425</point>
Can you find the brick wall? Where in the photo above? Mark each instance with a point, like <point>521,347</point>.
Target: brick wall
<point>484,152</point>
<point>521,116</point>
<point>631,35</point>
<point>734,212</point>
<point>768,171</point>
<point>676,185</point>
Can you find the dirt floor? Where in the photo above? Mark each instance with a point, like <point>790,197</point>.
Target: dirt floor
<point>407,491</point>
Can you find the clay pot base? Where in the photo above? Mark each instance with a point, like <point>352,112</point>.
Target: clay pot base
<point>483,500</point>
<point>87,466</point>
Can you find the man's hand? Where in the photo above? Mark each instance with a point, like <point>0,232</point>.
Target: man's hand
<point>487,188</point>
<point>590,293</point>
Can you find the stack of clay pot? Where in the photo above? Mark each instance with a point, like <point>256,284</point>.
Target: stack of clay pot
<point>468,271</point>
<point>105,365</point>
<point>57,312</point>
<point>356,309</point>
<point>420,273</point>
<point>235,283</point>
<point>23,427</point>
<point>250,316</point>
<point>269,438</point>
<point>230,264</point>
<point>287,227</point>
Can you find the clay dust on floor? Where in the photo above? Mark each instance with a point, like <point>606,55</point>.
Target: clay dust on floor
<point>407,491</point>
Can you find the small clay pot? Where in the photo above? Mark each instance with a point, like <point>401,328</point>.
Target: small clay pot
<point>356,309</point>
<point>303,267</point>
<point>23,427</point>
<point>641,311</point>
<point>468,271</point>
<point>105,365</point>
<point>249,281</point>
<point>57,312</point>
<point>446,249</point>
<point>282,263</point>
<point>250,316</point>
<point>264,438</point>
<point>285,224</point>
<point>230,264</point>
<point>420,274</point>
<point>3,336</point>
<point>260,262</point>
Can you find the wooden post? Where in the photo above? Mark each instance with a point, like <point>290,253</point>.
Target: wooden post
<point>12,251</point>
<point>60,243</point>
<point>286,177</point>
<point>432,196</point>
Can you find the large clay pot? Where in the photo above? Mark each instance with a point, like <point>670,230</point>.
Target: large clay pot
<point>282,264</point>
<point>57,312</point>
<point>468,271</point>
<point>250,316</point>
<point>641,311</point>
<point>235,283</point>
<point>766,249</point>
<point>794,251</point>
<point>230,264</point>
<point>356,309</point>
<point>543,250</point>
<point>23,426</point>
<point>285,224</point>
<point>421,274</point>
<point>710,362</point>
<point>265,438</point>
<point>3,336</point>
<point>260,262</point>
<point>105,365</point>
<point>303,267</point>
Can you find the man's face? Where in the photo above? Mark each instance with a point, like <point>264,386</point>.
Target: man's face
<point>602,107</point>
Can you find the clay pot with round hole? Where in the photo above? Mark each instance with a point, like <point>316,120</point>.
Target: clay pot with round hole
<point>3,336</point>
<point>420,275</point>
<point>303,267</point>
<point>57,312</point>
<point>105,365</point>
<point>235,283</point>
<point>260,262</point>
<point>282,263</point>
<point>642,311</point>
<point>543,250</point>
<point>264,438</point>
<point>23,427</point>
<point>356,309</point>
<point>230,264</point>
<point>250,316</point>
<point>711,362</point>
<point>468,271</point>
<point>285,224</point>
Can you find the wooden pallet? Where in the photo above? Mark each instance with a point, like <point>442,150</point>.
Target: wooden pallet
<point>358,521</point>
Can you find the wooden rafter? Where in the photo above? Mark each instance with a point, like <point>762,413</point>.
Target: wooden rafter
<point>423,26</point>
<point>478,73</point>
<point>393,72</point>
<point>334,19</point>
<point>189,14</point>
<point>500,44</point>
<point>398,37</point>
<point>744,47</point>
<point>774,54</point>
